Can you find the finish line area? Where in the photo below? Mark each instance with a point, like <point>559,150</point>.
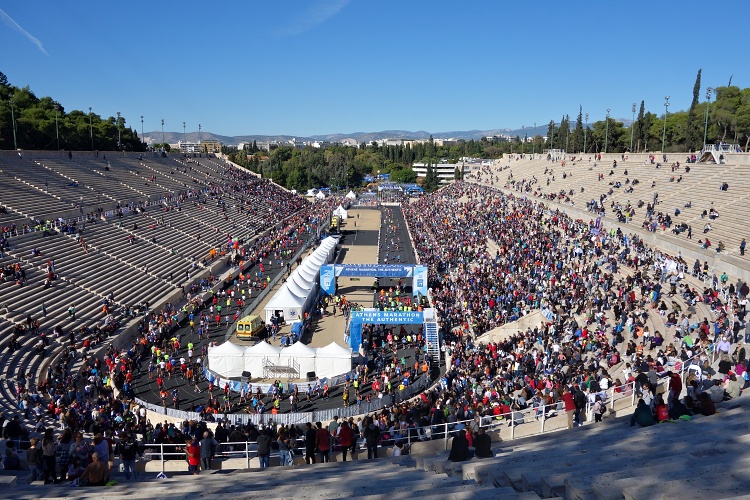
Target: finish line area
<point>390,338</point>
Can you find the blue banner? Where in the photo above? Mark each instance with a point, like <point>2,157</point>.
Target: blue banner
<point>327,280</point>
<point>419,285</point>
<point>374,270</point>
<point>387,317</point>
<point>329,273</point>
<point>355,335</point>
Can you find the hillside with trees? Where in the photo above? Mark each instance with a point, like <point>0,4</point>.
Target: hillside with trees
<point>40,121</point>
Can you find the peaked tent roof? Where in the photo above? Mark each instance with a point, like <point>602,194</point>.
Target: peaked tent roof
<point>301,281</point>
<point>300,349</point>
<point>341,212</point>
<point>264,348</point>
<point>333,348</point>
<point>297,290</point>
<point>285,298</point>
<point>228,349</point>
<point>350,195</point>
<point>307,271</point>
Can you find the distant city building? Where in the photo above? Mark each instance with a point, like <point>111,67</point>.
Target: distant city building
<point>445,171</point>
<point>210,146</point>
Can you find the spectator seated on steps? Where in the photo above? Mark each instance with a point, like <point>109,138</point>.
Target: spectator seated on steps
<point>642,415</point>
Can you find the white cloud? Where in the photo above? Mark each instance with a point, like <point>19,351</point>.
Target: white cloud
<point>317,14</point>
<point>10,22</point>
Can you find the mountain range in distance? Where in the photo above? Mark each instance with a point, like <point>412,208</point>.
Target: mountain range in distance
<point>360,137</point>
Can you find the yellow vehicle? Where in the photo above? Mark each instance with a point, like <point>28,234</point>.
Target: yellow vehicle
<point>250,327</point>
<point>335,223</point>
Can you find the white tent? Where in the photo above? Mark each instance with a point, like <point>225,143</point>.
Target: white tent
<point>320,195</point>
<point>290,305</point>
<point>333,359</point>
<point>302,354</point>
<point>307,272</point>
<point>297,290</point>
<point>311,192</point>
<point>317,259</point>
<point>341,212</point>
<point>301,281</point>
<point>227,359</point>
<point>351,196</point>
<point>256,355</point>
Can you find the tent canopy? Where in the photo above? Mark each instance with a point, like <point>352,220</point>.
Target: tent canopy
<point>290,305</point>
<point>333,359</point>
<point>351,196</point>
<point>341,212</point>
<point>227,359</point>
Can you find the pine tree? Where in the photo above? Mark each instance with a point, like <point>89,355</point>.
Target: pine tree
<point>641,132</point>
<point>578,132</point>
<point>692,132</point>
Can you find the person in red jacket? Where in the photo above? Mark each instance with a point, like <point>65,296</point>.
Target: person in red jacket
<point>675,388</point>
<point>193,451</point>
<point>345,436</point>
<point>570,405</point>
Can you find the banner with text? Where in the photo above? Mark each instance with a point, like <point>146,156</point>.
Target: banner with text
<point>388,317</point>
<point>329,273</point>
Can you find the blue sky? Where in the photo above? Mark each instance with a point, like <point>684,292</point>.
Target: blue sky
<point>339,66</point>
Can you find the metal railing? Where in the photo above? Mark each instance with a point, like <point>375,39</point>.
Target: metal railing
<point>389,437</point>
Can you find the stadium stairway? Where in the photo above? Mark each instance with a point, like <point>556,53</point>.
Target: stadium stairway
<point>362,479</point>
<point>706,457</point>
<point>613,460</point>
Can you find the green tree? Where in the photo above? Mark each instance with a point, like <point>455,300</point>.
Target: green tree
<point>692,133</point>
<point>577,140</point>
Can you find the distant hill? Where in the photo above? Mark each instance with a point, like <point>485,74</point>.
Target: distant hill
<point>366,137</point>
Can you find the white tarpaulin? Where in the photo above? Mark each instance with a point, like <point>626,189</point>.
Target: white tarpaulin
<point>256,355</point>
<point>302,354</point>
<point>333,359</point>
<point>227,359</point>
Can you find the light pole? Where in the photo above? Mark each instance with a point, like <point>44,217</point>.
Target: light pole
<point>533,142</point>
<point>664,132</point>
<point>705,125</point>
<point>142,140</point>
<point>91,129</point>
<point>119,139</point>
<point>57,130</point>
<point>162,134</point>
<point>567,138</point>
<point>199,138</point>
<point>523,146</point>
<point>183,135</point>
<point>632,127</point>
<point>584,133</point>
<point>13,120</point>
<point>606,133</point>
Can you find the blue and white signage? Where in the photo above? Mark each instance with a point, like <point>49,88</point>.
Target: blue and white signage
<point>388,317</point>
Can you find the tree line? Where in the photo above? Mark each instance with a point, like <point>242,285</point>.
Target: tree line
<point>42,123</point>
